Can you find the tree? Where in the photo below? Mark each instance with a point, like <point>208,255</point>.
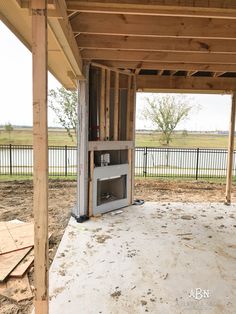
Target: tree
<point>9,128</point>
<point>166,112</point>
<point>64,104</point>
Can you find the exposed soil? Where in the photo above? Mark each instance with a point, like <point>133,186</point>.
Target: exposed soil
<point>17,197</point>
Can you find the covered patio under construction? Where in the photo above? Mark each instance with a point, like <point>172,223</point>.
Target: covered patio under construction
<point>109,50</point>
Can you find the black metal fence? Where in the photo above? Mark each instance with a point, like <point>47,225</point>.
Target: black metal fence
<point>193,163</point>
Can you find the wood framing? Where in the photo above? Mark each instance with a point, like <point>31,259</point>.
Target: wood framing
<point>91,154</point>
<point>102,107</point>
<point>40,155</point>
<point>129,105</point>
<point>185,84</point>
<point>95,41</point>
<point>230,150</point>
<point>156,26</point>
<point>213,9</point>
<point>108,88</point>
<point>110,145</point>
<point>116,107</point>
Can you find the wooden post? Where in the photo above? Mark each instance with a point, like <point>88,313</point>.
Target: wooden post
<point>230,151</point>
<point>82,139</point>
<point>116,107</point>
<point>40,149</point>
<point>102,107</point>
<point>128,122</point>
<point>108,88</point>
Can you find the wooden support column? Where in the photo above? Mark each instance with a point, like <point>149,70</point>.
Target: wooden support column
<point>128,123</point>
<point>102,107</point>
<point>230,151</point>
<point>116,107</point>
<point>108,89</point>
<point>91,183</point>
<point>40,153</point>
<point>82,140</point>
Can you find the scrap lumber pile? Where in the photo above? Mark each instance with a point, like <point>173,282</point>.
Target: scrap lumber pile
<point>16,257</point>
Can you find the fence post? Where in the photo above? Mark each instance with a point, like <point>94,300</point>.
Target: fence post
<point>145,162</point>
<point>65,160</point>
<point>197,164</point>
<point>10,152</point>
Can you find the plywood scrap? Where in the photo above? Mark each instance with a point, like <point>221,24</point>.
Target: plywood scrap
<point>9,261</point>
<point>15,236</point>
<point>16,289</point>
<point>24,265</point>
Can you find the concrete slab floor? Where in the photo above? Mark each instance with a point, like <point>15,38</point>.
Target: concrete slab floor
<point>156,258</point>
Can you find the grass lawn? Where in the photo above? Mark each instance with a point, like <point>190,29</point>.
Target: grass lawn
<point>59,137</point>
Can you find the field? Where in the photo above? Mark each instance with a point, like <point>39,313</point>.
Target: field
<point>23,136</point>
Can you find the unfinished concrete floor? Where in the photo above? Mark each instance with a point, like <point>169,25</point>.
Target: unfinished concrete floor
<point>148,258</point>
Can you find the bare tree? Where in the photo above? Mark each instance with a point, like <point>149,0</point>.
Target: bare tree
<point>64,104</point>
<point>166,112</point>
<point>9,128</point>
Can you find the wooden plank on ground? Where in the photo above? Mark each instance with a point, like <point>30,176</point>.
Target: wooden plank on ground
<point>24,265</point>
<point>15,236</point>
<point>16,289</point>
<point>9,261</point>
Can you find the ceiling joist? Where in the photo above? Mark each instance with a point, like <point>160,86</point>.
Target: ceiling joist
<point>154,26</point>
<point>193,84</point>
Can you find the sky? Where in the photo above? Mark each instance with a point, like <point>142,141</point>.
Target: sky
<point>16,93</point>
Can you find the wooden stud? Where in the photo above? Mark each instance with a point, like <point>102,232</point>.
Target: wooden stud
<point>108,89</point>
<point>116,107</point>
<point>40,151</point>
<point>128,109</point>
<point>230,151</point>
<point>102,107</point>
<point>110,145</point>
<point>130,175</point>
<point>132,135</point>
<point>91,183</point>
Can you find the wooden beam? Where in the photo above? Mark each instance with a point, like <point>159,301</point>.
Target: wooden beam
<point>40,155</point>
<point>188,84</point>
<point>186,8</point>
<point>160,72</point>
<point>170,66</point>
<point>108,89</point>
<point>62,31</point>
<point>230,151</point>
<point>152,44</point>
<point>102,107</point>
<point>217,74</point>
<point>154,26</point>
<point>155,56</point>
<point>110,145</point>
<point>116,107</point>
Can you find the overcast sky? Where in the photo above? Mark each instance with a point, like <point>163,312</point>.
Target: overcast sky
<point>16,93</point>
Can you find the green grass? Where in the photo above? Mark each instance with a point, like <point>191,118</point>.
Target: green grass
<point>23,136</point>
<point>30,178</point>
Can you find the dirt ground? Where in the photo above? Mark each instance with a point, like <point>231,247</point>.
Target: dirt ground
<point>16,199</point>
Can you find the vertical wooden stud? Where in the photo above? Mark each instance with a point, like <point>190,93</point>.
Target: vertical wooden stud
<point>230,151</point>
<point>40,153</point>
<point>102,107</point>
<point>91,183</point>
<point>116,107</point>
<point>128,122</point>
<point>132,133</point>
<point>108,88</point>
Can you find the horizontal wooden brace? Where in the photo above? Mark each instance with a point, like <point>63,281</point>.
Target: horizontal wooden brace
<point>110,145</point>
<point>189,84</point>
<point>153,26</point>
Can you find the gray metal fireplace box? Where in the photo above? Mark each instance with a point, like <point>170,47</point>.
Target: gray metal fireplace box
<point>110,188</point>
